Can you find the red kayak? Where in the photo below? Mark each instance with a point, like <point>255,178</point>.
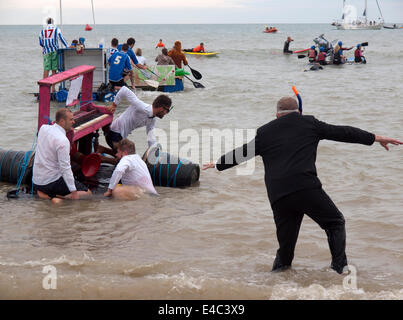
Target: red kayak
<point>300,51</point>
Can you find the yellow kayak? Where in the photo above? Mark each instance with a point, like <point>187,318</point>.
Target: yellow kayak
<point>206,54</point>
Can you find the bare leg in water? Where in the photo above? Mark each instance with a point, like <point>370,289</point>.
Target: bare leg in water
<point>127,193</point>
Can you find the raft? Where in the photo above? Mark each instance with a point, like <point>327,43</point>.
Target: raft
<point>270,31</point>
<point>203,54</point>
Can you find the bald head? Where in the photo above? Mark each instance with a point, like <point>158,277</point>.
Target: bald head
<point>286,105</point>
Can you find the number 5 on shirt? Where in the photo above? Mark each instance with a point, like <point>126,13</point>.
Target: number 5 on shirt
<point>117,60</point>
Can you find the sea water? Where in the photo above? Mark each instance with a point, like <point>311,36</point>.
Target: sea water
<point>216,239</point>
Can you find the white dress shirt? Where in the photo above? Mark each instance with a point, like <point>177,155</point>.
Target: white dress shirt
<point>52,157</point>
<point>138,114</point>
<point>133,171</point>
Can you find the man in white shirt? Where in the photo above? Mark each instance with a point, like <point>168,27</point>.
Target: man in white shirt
<point>137,115</point>
<point>132,172</point>
<point>52,174</point>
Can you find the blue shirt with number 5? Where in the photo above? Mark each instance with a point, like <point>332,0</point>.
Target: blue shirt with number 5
<point>131,54</point>
<point>118,62</point>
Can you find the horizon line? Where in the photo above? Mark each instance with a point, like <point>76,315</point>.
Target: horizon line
<point>185,23</point>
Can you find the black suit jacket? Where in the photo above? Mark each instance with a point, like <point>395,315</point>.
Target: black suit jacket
<point>288,146</point>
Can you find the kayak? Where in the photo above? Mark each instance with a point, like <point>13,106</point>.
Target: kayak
<point>300,51</point>
<point>205,54</point>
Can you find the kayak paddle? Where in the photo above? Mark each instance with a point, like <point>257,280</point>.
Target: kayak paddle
<point>196,84</point>
<point>195,73</point>
<point>152,83</point>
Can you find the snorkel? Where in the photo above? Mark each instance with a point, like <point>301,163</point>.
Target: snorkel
<point>299,98</point>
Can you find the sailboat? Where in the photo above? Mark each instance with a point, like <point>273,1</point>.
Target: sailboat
<point>350,20</point>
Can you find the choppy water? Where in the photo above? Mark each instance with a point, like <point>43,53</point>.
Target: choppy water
<point>216,239</point>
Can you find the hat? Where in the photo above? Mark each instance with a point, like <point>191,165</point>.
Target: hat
<point>340,43</point>
<point>313,47</point>
<point>358,45</point>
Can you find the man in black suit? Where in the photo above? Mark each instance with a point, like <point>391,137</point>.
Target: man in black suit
<point>288,146</point>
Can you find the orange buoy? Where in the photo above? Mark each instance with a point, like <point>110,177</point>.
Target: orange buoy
<point>88,27</point>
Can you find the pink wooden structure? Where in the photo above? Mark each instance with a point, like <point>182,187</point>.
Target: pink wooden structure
<point>90,116</point>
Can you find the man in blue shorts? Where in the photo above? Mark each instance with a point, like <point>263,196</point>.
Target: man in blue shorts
<point>120,67</point>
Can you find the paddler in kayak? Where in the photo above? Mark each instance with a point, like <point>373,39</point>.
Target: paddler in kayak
<point>312,54</point>
<point>338,57</point>
<point>358,56</point>
<point>322,57</point>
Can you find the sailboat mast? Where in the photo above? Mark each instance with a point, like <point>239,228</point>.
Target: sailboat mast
<point>61,15</point>
<point>366,13</point>
<point>344,4</point>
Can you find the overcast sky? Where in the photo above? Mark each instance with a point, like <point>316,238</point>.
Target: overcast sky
<point>190,11</point>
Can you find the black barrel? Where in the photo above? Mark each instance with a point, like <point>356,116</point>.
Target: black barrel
<point>15,165</point>
<point>167,170</point>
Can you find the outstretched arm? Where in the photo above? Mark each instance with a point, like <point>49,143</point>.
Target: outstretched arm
<point>235,157</point>
<point>384,141</point>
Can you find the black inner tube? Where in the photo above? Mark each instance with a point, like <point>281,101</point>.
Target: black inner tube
<point>11,165</point>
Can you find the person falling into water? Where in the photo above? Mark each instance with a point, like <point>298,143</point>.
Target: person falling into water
<point>133,173</point>
<point>138,114</point>
<point>288,146</point>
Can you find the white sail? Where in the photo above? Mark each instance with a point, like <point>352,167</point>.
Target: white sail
<point>351,21</point>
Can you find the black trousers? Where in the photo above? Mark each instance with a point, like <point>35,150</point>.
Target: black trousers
<point>288,213</point>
